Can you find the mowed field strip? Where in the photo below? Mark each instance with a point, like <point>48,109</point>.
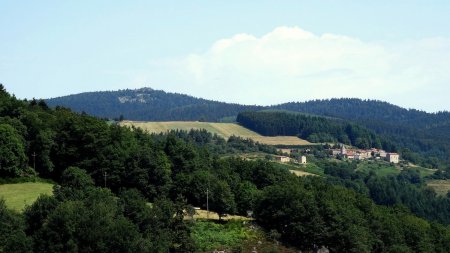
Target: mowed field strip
<point>440,186</point>
<point>203,214</point>
<point>300,173</point>
<point>17,196</point>
<point>224,130</point>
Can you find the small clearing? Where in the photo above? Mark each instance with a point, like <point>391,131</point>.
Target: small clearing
<point>224,130</point>
<point>203,215</point>
<point>440,186</point>
<point>17,196</point>
<point>300,173</point>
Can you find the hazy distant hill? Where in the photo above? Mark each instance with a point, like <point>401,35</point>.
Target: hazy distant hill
<point>362,110</point>
<point>419,131</point>
<point>157,105</point>
<point>147,104</point>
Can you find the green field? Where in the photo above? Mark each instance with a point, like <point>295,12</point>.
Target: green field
<point>382,168</point>
<point>224,130</point>
<point>17,196</point>
<point>300,169</point>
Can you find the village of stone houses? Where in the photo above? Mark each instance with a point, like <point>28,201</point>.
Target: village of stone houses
<point>341,153</point>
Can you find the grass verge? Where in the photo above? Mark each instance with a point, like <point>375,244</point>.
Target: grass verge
<point>17,196</point>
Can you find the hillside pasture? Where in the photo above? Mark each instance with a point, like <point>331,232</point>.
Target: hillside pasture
<point>224,130</point>
<point>17,196</point>
<point>301,173</point>
<point>300,170</point>
<point>440,186</point>
<point>204,215</point>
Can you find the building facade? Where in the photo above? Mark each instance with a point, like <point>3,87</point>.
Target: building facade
<point>392,157</point>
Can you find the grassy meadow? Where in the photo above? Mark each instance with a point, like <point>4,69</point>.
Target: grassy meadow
<point>224,130</point>
<point>382,168</point>
<point>17,196</point>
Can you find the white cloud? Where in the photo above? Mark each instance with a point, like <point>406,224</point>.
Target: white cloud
<point>291,64</point>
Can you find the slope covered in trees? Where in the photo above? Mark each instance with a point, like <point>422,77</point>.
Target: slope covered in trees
<point>147,104</point>
<point>357,109</point>
<point>156,105</point>
<point>311,128</point>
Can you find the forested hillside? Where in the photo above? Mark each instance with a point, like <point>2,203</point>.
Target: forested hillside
<point>311,128</point>
<point>411,130</point>
<point>357,109</point>
<point>122,190</point>
<point>147,104</point>
<point>156,105</point>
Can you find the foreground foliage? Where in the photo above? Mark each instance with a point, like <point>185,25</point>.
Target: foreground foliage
<point>209,236</point>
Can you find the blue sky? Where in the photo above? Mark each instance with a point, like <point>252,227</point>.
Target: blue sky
<point>257,52</point>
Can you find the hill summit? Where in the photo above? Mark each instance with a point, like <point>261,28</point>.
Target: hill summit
<point>149,105</point>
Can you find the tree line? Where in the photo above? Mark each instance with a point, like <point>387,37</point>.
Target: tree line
<point>408,189</point>
<point>312,128</point>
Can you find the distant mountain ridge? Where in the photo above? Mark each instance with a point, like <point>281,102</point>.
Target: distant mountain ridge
<point>357,109</point>
<point>147,104</point>
<point>418,131</point>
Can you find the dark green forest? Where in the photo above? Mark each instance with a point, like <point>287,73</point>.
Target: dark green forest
<point>312,128</point>
<point>147,104</point>
<point>123,190</point>
<point>407,189</point>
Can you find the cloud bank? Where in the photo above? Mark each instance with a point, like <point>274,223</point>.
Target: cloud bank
<point>291,64</point>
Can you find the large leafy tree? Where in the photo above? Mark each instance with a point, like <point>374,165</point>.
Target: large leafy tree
<point>12,235</point>
<point>222,200</point>
<point>13,161</point>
